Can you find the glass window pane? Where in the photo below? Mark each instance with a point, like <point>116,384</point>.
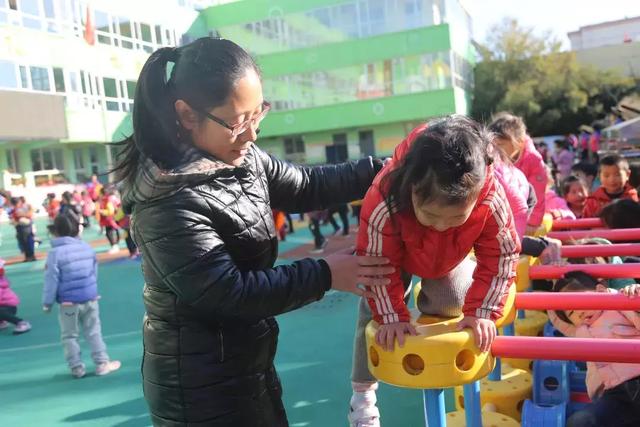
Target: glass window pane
<point>58,79</point>
<point>110,87</point>
<point>47,159</point>
<point>49,11</point>
<point>131,89</point>
<point>13,4</point>
<point>78,159</point>
<point>40,78</point>
<point>8,78</point>
<point>30,7</point>
<point>145,30</point>
<point>36,161</point>
<point>102,21</point>
<point>58,159</point>
<point>24,77</point>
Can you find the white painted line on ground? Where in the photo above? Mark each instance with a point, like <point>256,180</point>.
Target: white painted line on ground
<point>57,344</point>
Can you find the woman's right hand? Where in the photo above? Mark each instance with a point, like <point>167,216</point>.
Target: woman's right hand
<point>351,273</point>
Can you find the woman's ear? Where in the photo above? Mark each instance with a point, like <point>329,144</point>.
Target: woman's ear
<point>186,116</point>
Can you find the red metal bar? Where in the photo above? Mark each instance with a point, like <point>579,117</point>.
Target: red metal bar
<point>604,271</point>
<point>572,224</point>
<point>575,301</point>
<point>581,349</point>
<point>620,249</point>
<point>618,235</point>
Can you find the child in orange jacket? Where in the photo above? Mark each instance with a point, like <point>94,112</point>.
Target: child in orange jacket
<point>614,176</point>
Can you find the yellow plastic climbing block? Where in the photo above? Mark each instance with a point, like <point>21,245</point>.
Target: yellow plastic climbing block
<point>508,315</point>
<point>438,357</point>
<point>489,419</point>
<point>545,227</point>
<point>525,364</point>
<point>507,395</point>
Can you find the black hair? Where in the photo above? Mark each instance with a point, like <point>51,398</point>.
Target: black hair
<point>574,281</point>
<point>615,160</point>
<point>203,75</point>
<point>64,226</point>
<point>562,143</point>
<point>508,126</point>
<point>447,163</point>
<point>565,185</point>
<point>588,169</point>
<point>621,213</point>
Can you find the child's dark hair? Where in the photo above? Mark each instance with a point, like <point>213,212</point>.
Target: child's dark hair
<point>446,163</point>
<point>565,185</point>
<point>621,213</point>
<point>574,281</point>
<point>588,169</point>
<point>203,75</point>
<point>615,160</point>
<point>508,126</point>
<point>64,226</point>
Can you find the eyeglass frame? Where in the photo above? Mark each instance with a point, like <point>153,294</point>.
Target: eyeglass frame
<point>266,106</point>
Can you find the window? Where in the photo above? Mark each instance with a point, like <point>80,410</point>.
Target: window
<point>24,77</point>
<point>13,5</point>
<point>367,146</point>
<point>124,29</point>
<point>103,27</point>
<point>145,32</point>
<point>78,159</point>
<point>13,164</point>
<point>8,78</point>
<point>58,79</point>
<point>131,89</point>
<point>110,91</point>
<point>40,78</point>
<point>294,149</point>
<point>93,159</point>
<point>47,159</point>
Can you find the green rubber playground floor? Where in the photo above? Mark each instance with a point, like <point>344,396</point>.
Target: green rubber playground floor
<point>314,356</point>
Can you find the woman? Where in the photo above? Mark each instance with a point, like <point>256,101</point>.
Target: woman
<point>200,193</point>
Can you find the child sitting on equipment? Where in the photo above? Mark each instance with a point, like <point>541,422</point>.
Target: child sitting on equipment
<point>614,175</point>
<point>575,192</point>
<point>435,201</point>
<point>613,387</point>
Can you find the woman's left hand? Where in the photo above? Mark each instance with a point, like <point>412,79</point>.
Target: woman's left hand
<point>484,331</point>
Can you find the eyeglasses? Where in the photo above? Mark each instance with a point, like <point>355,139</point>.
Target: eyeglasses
<point>241,128</point>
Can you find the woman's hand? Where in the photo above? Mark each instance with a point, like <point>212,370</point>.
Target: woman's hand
<point>484,331</point>
<point>551,255</point>
<point>387,334</point>
<point>352,273</point>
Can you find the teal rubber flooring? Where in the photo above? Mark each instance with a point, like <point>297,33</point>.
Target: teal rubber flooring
<point>36,389</point>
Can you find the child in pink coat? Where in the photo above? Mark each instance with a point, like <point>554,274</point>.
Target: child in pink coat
<point>613,387</point>
<point>511,137</point>
<point>9,302</point>
<point>555,205</point>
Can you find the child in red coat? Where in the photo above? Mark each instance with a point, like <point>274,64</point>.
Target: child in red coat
<point>614,176</point>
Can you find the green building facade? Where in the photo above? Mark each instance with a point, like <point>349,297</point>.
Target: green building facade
<point>348,78</point>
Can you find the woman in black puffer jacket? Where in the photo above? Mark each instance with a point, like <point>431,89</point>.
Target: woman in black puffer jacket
<point>200,193</point>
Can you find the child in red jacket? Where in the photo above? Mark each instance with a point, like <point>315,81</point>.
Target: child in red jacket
<point>435,201</point>
<point>614,176</point>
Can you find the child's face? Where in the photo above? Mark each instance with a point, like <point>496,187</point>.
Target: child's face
<point>439,216</point>
<point>577,194</point>
<point>583,317</point>
<point>613,178</point>
<point>510,147</point>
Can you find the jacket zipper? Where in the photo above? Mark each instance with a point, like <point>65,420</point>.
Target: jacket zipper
<point>221,345</point>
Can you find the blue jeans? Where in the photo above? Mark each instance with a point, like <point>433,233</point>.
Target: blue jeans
<point>617,407</point>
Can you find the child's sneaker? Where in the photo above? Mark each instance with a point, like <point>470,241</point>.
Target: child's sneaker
<point>107,367</point>
<point>22,327</point>
<point>79,371</point>
<point>114,249</point>
<point>363,411</point>
<point>4,324</point>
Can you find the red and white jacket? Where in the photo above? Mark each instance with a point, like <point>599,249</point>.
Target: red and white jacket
<point>427,253</point>
<point>599,199</point>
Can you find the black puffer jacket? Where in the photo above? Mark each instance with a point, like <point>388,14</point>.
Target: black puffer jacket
<point>207,237</point>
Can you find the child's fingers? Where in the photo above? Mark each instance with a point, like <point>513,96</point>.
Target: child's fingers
<point>411,329</point>
<point>401,339</point>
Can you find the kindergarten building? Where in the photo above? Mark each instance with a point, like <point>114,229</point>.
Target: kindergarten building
<point>350,78</point>
<point>345,78</point>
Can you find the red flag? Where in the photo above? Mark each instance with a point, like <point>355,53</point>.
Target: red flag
<point>89,29</point>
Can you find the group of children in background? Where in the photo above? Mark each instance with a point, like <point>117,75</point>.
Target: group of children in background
<point>452,187</point>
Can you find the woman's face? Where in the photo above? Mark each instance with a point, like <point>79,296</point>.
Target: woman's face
<point>439,216</point>
<point>245,103</point>
<point>577,194</point>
